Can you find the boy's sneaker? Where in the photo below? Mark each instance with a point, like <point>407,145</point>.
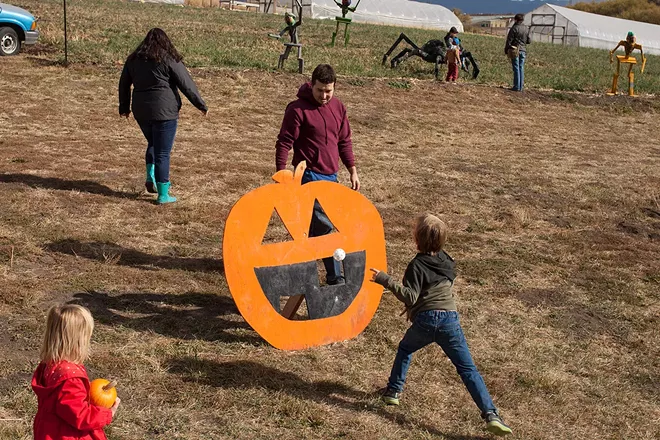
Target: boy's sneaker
<point>495,424</point>
<point>391,397</point>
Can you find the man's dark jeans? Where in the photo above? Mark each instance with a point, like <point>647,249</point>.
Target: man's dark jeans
<point>321,225</point>
<point>518,65</point>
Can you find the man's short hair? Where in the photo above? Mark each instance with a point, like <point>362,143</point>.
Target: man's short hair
<point>324,73</point>
<point>519,17</point>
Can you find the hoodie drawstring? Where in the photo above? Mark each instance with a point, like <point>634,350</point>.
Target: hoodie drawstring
<point>337,121</point>
<point>325,124</point>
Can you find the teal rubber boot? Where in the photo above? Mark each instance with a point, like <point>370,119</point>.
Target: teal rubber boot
<point>150,182</point>
<point>163,196</point>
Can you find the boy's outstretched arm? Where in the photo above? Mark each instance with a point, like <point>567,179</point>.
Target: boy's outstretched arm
<point>406,293</point>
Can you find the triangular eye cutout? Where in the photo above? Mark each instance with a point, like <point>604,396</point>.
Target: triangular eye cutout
<point>276,231</point>
<point>320,224</point>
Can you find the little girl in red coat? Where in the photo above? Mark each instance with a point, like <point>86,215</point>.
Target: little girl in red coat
<point>61,383</point>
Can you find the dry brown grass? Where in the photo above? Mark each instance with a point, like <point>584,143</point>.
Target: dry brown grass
<point>554,208</point>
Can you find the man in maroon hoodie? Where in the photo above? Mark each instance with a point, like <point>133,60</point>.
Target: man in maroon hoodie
<point>316,127</point>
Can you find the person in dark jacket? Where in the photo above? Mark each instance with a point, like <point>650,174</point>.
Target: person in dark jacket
<point>427,293</point>
<point>515,48</point>
<point>316,127</point>
<point>156,72</point>
<point>451,39</point>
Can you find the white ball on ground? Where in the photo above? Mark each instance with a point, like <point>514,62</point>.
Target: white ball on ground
<point>339,254</point>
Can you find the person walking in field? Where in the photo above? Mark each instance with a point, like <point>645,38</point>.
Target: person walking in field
<point>427,292</point>
<point>516,49</point>
<point>156,72</point>
<point>316,127</point>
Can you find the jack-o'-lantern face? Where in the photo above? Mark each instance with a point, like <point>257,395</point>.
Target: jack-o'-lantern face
<point>260,274</point>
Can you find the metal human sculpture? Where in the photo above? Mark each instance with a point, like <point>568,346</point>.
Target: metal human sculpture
<point>345,6</point>
<point>433,51</point>
<point>292,24</point>
<point>629,45</point>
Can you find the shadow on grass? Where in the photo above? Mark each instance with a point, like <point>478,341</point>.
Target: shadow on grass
<point>248,374</point>
<point>187,316</point>
<point>41,61</point>
<point>88,186</point>
<point>112,253</point>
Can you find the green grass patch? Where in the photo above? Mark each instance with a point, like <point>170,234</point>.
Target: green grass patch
<point>104,32</point>
<point>562,97</point>
<point>400,84</point>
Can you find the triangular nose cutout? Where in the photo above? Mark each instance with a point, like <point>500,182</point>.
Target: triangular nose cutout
<point>320,224</point>
<point>276,231</point>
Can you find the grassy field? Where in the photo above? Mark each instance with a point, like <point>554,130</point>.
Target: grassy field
<point>552,198</point>
<point>105,32</point>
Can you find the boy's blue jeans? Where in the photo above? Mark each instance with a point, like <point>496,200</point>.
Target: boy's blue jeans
<point>443,328</point>
<point>160,139</point>
<point>518,64</point>
<point>321,225</point>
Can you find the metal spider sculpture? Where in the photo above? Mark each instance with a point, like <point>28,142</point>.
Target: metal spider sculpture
<point>433,51</point>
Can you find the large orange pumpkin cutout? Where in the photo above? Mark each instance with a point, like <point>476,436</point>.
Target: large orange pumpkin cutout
<point>259,274</point>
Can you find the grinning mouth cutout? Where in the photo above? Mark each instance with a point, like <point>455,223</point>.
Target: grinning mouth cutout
<point>303,279</point>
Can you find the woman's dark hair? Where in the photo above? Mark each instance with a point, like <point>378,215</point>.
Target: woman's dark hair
<point>519,17</point>
<point>324,73</point>
<point>157,47</point>
<point>453,30</point>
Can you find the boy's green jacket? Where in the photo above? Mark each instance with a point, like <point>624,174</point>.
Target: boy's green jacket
<point>427,284</point>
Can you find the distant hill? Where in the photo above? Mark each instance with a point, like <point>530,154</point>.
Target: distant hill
<point>638,10</point>
<point>496,6</point>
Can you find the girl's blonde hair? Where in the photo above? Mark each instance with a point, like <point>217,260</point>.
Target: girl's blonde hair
<point>430,233</point>
<point>68,332</point>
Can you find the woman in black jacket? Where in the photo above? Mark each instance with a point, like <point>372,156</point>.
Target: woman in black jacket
<point>156,72</point>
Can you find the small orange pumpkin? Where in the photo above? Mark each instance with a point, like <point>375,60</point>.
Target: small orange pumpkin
<point>259,274</point>
<point>103,393</point>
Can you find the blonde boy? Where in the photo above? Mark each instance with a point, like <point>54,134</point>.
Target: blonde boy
<point>427,293</point>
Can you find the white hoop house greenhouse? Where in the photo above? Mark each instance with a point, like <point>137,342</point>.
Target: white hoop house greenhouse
<point>559,25</point>
<point>408,13</point>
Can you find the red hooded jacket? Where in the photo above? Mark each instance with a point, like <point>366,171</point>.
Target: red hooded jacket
<point>319,134</point>
<point>64,411</point>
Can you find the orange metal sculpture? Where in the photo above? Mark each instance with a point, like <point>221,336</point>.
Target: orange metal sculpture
<point>260,274</point>
<point>629,45</point>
